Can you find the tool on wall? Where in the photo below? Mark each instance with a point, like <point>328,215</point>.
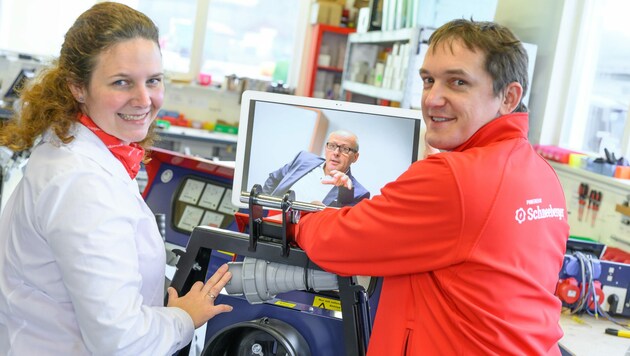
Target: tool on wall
<point>582,194</point>
<point>594,201</point>
<point>597,199</point>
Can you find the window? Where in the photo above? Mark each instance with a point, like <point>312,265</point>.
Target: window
<point>601,82</point>
<point>176,20</point>
<point>258,39</point>
<point>259,45</point>
<point>37,27</point>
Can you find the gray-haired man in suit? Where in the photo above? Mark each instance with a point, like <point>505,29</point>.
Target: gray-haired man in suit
<point>310,176</point>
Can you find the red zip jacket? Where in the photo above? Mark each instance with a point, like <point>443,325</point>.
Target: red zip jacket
<point>469,242</point>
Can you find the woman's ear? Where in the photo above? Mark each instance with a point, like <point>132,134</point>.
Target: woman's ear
<point>77,91</point>
<point>511,98</point>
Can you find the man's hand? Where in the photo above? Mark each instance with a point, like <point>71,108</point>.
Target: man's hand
<point>338,179</point>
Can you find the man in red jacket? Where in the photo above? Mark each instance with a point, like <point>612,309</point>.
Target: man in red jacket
<point>469,241</point>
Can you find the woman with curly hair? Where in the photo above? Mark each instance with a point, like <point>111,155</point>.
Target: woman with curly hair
<point>81,256</point>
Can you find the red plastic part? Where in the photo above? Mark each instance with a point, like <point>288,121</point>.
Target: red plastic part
<point>599,293</point>
<point>568,290</point>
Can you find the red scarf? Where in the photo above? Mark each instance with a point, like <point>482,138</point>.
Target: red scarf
<point>129,155</point>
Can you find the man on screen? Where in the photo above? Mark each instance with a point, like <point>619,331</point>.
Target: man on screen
<point>311,176</point>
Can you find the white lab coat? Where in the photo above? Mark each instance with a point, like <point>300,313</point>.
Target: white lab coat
<point>81,260</point>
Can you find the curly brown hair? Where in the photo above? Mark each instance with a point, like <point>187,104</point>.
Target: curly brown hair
<point>47,102</point>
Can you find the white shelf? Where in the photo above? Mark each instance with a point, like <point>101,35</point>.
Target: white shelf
<point>401,35</point>
<point>198,134</point>
<point>373,91</point>
<point>403,74</point>
<point>623,184</point>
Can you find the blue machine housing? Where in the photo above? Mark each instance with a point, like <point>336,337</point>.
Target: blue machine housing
<point>324,333</point>
<point>614,277</point>
<point>324,328</point>
<point>166,171</point>
<point>320,331</point>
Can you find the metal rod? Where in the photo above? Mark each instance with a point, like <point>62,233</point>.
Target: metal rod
<point>271,201</point>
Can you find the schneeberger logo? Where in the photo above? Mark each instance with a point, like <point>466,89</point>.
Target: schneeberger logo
<point>532,213</point>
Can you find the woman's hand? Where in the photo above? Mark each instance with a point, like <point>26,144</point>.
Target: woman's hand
<point>199,301</point>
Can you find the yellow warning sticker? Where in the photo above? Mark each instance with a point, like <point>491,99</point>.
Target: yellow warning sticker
<point>285,304</point>
<point>226,253</point>
<point>327,303</point>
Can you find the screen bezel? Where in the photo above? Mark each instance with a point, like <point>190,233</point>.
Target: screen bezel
<point>246,124</point>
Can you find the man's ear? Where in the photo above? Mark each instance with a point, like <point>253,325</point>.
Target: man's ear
<point>356,157</point>
<point>512,95</point>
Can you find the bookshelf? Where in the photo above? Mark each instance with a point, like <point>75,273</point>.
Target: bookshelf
<point>383,65</point>
<point>325,60</point>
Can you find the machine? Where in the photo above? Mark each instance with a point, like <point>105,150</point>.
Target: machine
<point>14,74</point>
<point>288,305</point>
<point>268,318</point>
<point>11,165</point>
<point>283,303</point>
<point>599,216</point>
<point>586,279</point>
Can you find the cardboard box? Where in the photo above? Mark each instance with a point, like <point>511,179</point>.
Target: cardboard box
<point>327,13</point>
<point>361,3</point>
<point>319,13</point>
<point>334,17</point>
<point>338,2</point>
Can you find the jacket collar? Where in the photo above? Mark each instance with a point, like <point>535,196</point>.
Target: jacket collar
<point>510,126</point>
<point>88,145</point>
